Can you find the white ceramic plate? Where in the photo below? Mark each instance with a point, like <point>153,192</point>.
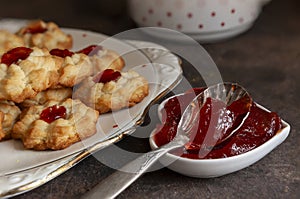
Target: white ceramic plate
<point>208,168</point>
<point>22,170</point>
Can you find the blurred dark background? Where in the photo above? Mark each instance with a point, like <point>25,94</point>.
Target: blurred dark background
<point>106,16</point>
<point>111,16</point>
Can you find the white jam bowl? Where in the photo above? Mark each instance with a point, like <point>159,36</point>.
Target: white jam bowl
<point>204,20</point>
<point>208,168</point>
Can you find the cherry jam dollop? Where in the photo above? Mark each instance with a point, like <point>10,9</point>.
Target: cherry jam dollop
<point>61,52</point>
<point>52,113</point>
<point>107,76</point>
<point>35,29</point>
<point>91,50</point>
<point>14,55</point>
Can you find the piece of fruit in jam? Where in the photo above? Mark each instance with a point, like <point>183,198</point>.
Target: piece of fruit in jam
<point>61,52</point>
<point>53,113</point>
<point>107,76</point>
<point>14,55</point>
<point>91,50</point>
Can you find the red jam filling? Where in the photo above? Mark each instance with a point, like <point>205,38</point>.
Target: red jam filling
<point>216,122</point>
<point>34,29</point>
<point>53,113</point>
<point>107,76</point>
<point>91,50</point>
<point>171,115</point>
<point>259,127</point>
<point>61,53</point>
<point>14,55</point>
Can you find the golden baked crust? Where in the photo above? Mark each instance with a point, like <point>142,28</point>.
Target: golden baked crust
<point>73,69</point>
<point>52,36</point>
<point>107,59</point>
<point>27,77</point>
<point>58,95</point>
<point>128,90</point>
<point>9,114</point>
<point>8,41</point>
<point>80,123</point>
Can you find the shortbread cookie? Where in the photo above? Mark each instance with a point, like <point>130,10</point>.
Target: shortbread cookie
<point>107,59</point>
<point>45,35</point>
<point>112,90</point>
<point>26,71</point>
<point>8,41</point>
<point>9,114</point>
<point>103,58</point>
<point>55,125</point>
<point>57,95</point>
<point>74,67</point>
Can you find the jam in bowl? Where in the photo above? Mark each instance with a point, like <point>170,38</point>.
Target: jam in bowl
<point>260,133</point>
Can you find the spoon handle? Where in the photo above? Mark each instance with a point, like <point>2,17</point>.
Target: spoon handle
<point>113,185</point>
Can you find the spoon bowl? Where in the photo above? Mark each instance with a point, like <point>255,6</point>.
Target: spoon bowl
<point>209,168</point>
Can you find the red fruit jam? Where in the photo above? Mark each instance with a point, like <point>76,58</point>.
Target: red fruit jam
<point>107,76</point>
<point>34,29</point>
<point>171,115</point>
<point>259,127</point>
<point>14,55</point>
<point>216,121</point>
<point>53,113</point>
<point>61,52</point>
<point>91,50</point>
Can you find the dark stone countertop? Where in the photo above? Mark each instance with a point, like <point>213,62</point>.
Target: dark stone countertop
<point>265,60</point>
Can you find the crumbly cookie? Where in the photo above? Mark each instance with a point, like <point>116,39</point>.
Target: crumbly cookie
<point>26,71</point>
<point>57,95</point>
<point>107,59</point>
<point>102,58</point>
<point>55,125</point>
<point>8,41</point>
<point>9,113</point>
<point>74,67</point>
<point>112,90</point>
<point>45,35</point>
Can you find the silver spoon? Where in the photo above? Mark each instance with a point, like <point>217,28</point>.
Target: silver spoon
<point>113,185</point>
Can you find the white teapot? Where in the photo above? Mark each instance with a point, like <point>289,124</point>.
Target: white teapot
<point>204,20</point>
